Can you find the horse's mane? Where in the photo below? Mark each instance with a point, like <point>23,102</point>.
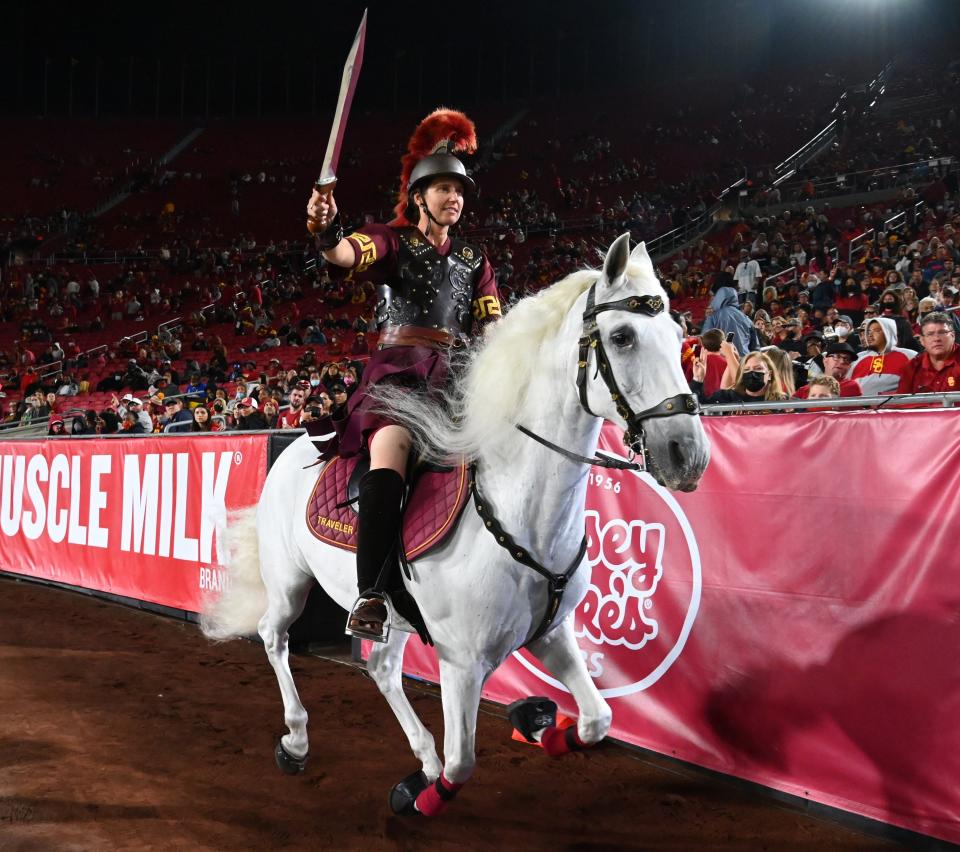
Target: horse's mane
<point>488,396</point>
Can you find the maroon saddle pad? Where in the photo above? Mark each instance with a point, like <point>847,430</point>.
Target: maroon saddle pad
<point>432,510</point>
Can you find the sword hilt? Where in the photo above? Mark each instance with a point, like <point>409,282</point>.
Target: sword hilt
<point>325,187</point>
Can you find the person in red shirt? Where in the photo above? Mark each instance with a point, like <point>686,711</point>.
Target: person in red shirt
<point>719,354</point>
<point>290,419</point>
<point>937,369</point>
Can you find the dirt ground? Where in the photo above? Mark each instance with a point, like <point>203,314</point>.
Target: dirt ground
<point>123,730</point>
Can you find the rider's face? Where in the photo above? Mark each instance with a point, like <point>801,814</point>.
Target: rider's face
<point>444,199</point>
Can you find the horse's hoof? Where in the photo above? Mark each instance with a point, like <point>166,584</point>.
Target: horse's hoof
<point>404,795</point>
<point>529,715</point>
<point>288,764</point>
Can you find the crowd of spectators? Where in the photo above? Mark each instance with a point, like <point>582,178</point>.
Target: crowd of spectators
<point>210,398</point>
<point>577,190</point>
<point>886,323</point>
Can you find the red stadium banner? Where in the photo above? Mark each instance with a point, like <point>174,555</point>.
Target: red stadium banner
<point>137,517</point>
<point>794,622</point>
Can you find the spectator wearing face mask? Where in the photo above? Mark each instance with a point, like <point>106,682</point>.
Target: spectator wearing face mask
<point>879,366</point>
<point>851,299</point>
<point>754,382</point>
<point>891,308</point>
<point>843,327</point>
<point>239,393</point>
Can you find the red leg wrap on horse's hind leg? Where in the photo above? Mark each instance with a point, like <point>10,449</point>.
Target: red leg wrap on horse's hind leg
<point>433,801</point>
<point>560,741</point>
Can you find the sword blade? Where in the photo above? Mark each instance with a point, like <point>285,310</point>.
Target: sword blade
<point>348,85</point>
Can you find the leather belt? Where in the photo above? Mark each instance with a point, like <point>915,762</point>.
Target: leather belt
<point>416,335</point>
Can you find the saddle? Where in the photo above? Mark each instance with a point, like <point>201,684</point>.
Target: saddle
<point>435,498</point>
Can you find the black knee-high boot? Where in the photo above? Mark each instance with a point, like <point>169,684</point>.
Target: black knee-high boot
<point>378,532</point>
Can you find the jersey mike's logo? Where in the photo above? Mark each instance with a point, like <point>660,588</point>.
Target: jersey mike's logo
<point>645,583</point>
<point>615,612</point>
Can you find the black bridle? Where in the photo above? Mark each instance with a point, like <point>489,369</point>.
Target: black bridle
<point>682,403</point>
<point>634,438</point>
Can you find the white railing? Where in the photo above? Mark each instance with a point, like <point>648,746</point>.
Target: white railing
<point>177,322</point>
<point>944,400</point>
<point>136,337</point>
<point>810,150</point>
<point>782,279</point>
<point>858,245</point>
<point>54,368</point>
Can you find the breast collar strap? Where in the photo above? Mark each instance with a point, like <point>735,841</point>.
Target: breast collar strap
<point>556,583</point>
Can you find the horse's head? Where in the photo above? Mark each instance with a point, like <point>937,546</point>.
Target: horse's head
<point>633,375</point>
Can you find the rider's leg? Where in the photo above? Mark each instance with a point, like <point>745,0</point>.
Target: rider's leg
<point>378,528</point>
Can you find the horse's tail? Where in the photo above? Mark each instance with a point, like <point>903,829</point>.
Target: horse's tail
<point>237,610</point>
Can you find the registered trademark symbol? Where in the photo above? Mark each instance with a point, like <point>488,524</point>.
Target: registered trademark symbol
<point>237,458</point>
<point>648,604</point>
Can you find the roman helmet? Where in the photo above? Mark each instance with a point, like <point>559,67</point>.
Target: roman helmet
<point>430,154</point>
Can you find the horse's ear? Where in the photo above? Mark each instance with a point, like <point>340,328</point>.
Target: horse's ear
<point>615,263</point>
<point>639,255</point>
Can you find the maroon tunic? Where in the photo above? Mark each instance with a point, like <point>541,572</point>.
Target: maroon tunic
<point>417,368</point>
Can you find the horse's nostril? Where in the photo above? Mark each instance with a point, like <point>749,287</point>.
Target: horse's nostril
<point>677,456</point>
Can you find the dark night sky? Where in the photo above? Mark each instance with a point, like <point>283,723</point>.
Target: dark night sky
<point>269,53</point>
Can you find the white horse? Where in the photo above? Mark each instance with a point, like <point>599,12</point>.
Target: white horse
<point>546,367</point>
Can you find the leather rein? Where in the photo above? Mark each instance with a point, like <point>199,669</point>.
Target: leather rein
<point>633,438</point>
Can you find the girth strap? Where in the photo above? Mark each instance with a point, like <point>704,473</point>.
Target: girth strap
<point>556,583</point>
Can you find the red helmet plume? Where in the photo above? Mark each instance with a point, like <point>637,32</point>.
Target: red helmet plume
<point>440,133</point>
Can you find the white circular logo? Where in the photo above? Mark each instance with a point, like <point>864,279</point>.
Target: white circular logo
<point>644,594</point>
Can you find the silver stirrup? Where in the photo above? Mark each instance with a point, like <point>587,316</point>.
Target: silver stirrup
<point>362,634</point>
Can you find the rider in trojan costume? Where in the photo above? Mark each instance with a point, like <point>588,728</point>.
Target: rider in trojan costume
<point>433,290</point>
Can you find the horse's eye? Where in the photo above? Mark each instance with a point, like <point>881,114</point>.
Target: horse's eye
<point>622,338</point>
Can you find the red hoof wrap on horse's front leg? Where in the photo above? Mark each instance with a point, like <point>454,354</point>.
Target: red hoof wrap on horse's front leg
<point>559,741</point>
<point>433,801</point>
